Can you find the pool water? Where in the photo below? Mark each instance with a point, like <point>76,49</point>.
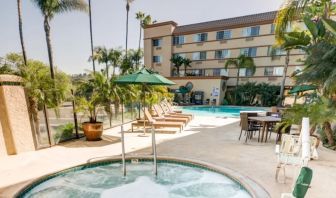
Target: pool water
<point>223,111</point>
<point>173,181</point>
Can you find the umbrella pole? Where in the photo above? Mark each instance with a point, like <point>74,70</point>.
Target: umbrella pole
<point>154,150</point>
<point>123,140</point>
<point>144,103</point>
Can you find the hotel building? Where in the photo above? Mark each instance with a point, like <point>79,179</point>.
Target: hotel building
<point>210,44</point>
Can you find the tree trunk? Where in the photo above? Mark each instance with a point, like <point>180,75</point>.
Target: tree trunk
<point>282,89</point>
<point>116,108</point>
<point>178,71</point>
<point>138,60</point>
<point>329,133</point>
<point>107,72</point>
<point>91,38</point>
<point>50,54</point>
<point>113,74</point>
<point>312,130</point>
<point>127,12</point>
<point>21,32</point>
<point>237,86</point>
<point>185,70</point>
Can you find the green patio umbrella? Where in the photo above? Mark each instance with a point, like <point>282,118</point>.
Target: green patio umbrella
<point>142,77</point>
<point>302,88</point>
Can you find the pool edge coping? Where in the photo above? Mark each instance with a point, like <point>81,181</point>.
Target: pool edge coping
<point>251,186</point>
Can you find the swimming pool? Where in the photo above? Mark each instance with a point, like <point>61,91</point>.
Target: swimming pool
<point>176,179</point>
<point>223,111</point>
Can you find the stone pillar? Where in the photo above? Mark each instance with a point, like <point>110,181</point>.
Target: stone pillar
<point>14,117</point>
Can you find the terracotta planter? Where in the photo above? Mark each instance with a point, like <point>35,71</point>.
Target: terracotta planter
<point>92,131</point>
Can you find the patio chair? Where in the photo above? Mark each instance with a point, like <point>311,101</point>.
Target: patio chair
<point>162,117</point>
<point>247,127</point>
<point>175,115</point>
<point>301,185</point>
<point>288,154</point>
<point>158,124</point>
<point>168,105</point>
<point>165,108</point>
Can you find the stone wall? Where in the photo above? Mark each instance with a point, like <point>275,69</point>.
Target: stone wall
<point>14,117</point>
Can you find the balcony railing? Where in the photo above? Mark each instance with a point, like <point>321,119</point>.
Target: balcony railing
<point>201,72</point>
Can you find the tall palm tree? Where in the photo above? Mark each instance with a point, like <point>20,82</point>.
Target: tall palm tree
<point>140,17</point>
<point>49,9</point>
<point>128,2</point>
<point>21,32</point>
<point>91,38</point>
<point>186,63</point>
<point>177,61</point>
<point>291,40</point>
<point>241,62</point>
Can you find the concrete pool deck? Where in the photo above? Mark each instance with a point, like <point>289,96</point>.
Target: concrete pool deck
<point>210,139</point>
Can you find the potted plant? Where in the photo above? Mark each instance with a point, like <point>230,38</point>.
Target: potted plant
<point>90,100</point>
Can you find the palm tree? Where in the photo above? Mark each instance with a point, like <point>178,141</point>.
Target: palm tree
<point>292,40</point>
<point>116,58</point>
<point>140,16</point>
<point>103,56</point>
<point>177,62</point>
<point>91,38</point>
<point>21,32</point>
<point>49,9</point>
<point>186,63</point>
<point>143,20</point>
<point>293,9</point>
<point>241,62</point>
<point>128,2</point>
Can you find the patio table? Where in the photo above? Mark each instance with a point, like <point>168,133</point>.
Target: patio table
<point>265,122</point>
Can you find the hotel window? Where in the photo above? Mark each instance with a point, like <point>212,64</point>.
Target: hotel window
<point>157,42</point>
<point>178,40</point>
<point>272,28</point>
<point>221,35</point>
<point>251,51</point>
<point>245,72</point>
<point>273,71</point>
<point>201,37</point>
<point>221,54</point>
<point>199,56</point>
<point>275,51</point>
<point>157,59</point>
<point>251,31</point>
<point>220,72</point>
<point>179,54</point>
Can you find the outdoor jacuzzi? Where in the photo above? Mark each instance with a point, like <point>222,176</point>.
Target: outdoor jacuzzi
<point>175,179</point>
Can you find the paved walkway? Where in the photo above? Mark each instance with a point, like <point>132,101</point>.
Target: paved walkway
<point>213,140</point>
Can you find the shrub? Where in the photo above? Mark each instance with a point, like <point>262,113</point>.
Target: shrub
<point>64,132</point>
<point>251,93</point>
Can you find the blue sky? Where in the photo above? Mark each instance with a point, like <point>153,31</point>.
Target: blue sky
<point>70,31</point>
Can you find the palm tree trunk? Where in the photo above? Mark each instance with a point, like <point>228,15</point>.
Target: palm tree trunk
<point>138,61</point>
<point>21,32</point>
<point>107,70</point>
<point>329,133</point>
<point>50,54</point>
<point>113,74</point>
<point>282,89</point>
<point>91,37</point>
<point>178,71</point>
<point>237,86</point>
<point>185,70</point>
<point>127,12</point>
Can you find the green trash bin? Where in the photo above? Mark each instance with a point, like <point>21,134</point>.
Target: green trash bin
<point>303,182</point>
